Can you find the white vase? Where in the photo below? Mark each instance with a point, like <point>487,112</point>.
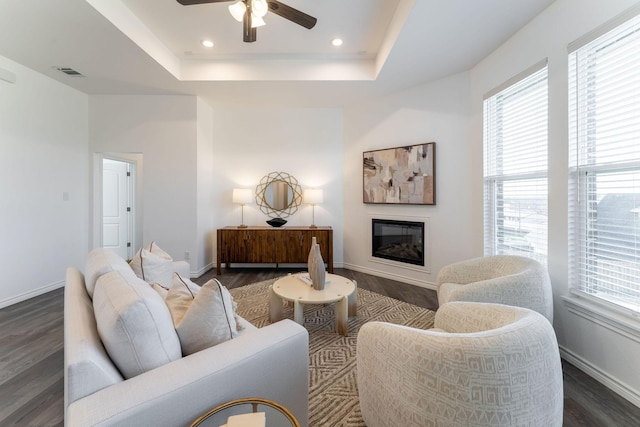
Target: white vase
<point>315,265</point>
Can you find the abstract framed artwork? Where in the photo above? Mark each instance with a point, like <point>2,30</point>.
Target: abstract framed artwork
<point>402,175</point>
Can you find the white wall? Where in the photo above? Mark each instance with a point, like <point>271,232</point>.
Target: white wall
<point>194,156</point>
<point>43,183</point>
<point>164,130</point>
<point>432,112</point>
<point>306,143</point>
<point>206,189</point>
<point>590,342</point>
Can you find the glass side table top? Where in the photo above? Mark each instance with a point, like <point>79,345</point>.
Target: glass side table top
<point>276,414</point>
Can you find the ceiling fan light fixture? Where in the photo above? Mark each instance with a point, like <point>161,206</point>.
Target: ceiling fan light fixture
<point>259,8</point>
<point>336,42</point>
<point>251,12</point>
<point>237,10</point>
<point>257,21</point>
<point>207,43</point>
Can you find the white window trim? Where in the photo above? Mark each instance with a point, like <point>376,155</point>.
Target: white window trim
<point>609,315</point>
<point>604,28</point>
<point>490,217</point>
<point>515,79</point>
<point>604,309</point>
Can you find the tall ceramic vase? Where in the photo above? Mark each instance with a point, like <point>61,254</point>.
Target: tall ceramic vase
<point>316,266</point>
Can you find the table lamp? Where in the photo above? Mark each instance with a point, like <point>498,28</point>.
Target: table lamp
<point>242,196</point>
<point>313,197</point>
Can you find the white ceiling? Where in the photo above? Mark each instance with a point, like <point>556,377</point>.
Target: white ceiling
<point>153,46</point>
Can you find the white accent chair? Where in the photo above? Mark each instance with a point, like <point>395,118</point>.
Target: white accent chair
<point>482,365</point>
<point>500,279</point>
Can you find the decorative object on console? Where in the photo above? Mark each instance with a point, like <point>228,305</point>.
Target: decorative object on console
<point>313,197</point>
<point>242,196</point>
<point>277,222</point>
<point>402,175</point>
<point>278,195</point>
<point>315,264</point>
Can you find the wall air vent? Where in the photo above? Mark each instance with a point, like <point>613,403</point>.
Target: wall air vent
<point>69,71</point>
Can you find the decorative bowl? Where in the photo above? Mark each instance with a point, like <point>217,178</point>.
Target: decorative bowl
<point>277,222</point>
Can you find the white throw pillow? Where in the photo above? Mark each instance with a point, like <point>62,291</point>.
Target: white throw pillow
<point>204,318</point>
<point>180,282</point>
<point>153,265</point>
<point>134,324</point>
<point>101,261</point>
<point>160,290</point>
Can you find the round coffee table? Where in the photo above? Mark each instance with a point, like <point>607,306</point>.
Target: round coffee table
<point>276,415</point>
<point>338,289</point>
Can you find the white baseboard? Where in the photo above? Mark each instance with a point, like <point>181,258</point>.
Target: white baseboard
<point>602,377</point>
<point>27,295</point>
<point>198,273</point>
<point>387,275</point>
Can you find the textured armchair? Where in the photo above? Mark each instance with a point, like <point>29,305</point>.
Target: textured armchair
<point>500,279</point>
<point>482,365</point>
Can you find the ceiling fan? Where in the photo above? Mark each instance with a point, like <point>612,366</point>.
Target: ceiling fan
<point>250,12</point>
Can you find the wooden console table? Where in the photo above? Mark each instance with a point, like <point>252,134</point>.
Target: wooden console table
<point>269,245</point>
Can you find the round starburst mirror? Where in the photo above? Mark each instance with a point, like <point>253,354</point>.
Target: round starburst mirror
<point>278,195</point>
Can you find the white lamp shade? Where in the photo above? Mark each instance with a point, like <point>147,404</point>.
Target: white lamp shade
<point>237,10</point>
<point>259,8</point>
<point>313,196</point>
<point>242,196</point>
<point>256,21</point>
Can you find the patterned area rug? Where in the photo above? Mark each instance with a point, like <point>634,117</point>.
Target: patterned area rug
<point>333,392</point>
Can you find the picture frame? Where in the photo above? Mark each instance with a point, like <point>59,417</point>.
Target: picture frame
<point>400,175</point>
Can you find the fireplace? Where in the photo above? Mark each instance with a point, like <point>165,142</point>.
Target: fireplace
<point>401,241</point>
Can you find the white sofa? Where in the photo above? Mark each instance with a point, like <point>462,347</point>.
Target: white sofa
<point>270,362</point>
<point>501,279</point>
<point>482,365</point>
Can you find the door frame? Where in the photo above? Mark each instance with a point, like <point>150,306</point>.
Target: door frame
<point>135,159</point>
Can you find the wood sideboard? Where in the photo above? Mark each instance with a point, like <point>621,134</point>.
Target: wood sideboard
<point>270,245</point>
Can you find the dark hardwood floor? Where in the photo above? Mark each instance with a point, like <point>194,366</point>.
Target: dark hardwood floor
<point>31,357</point>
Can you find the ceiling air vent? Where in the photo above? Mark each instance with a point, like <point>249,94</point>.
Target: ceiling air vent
<point>69,71</point>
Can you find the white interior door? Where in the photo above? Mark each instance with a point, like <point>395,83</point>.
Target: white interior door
<point>117,190</point>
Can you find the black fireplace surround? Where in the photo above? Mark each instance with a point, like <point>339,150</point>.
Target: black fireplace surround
<point>401,241</point>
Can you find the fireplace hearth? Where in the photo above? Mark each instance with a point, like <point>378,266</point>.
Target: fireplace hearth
<point>401,241</point>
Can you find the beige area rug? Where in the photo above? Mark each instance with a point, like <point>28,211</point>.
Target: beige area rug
<point>333,392</point>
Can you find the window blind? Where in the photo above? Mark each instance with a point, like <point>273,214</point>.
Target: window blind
<point>604,169</point>
<point>515,167</point>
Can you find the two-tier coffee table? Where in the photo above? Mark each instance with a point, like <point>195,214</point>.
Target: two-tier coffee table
<point>338,289</point>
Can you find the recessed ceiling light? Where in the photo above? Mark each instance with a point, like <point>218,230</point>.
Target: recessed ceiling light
<point>207,43</point>
<point>336,42</point>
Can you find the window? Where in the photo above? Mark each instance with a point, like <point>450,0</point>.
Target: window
<point>515,166</point>
<point>604,164</point>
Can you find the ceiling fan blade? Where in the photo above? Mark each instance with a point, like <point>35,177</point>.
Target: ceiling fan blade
<point>293,15</point>
<point>190,2</point>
